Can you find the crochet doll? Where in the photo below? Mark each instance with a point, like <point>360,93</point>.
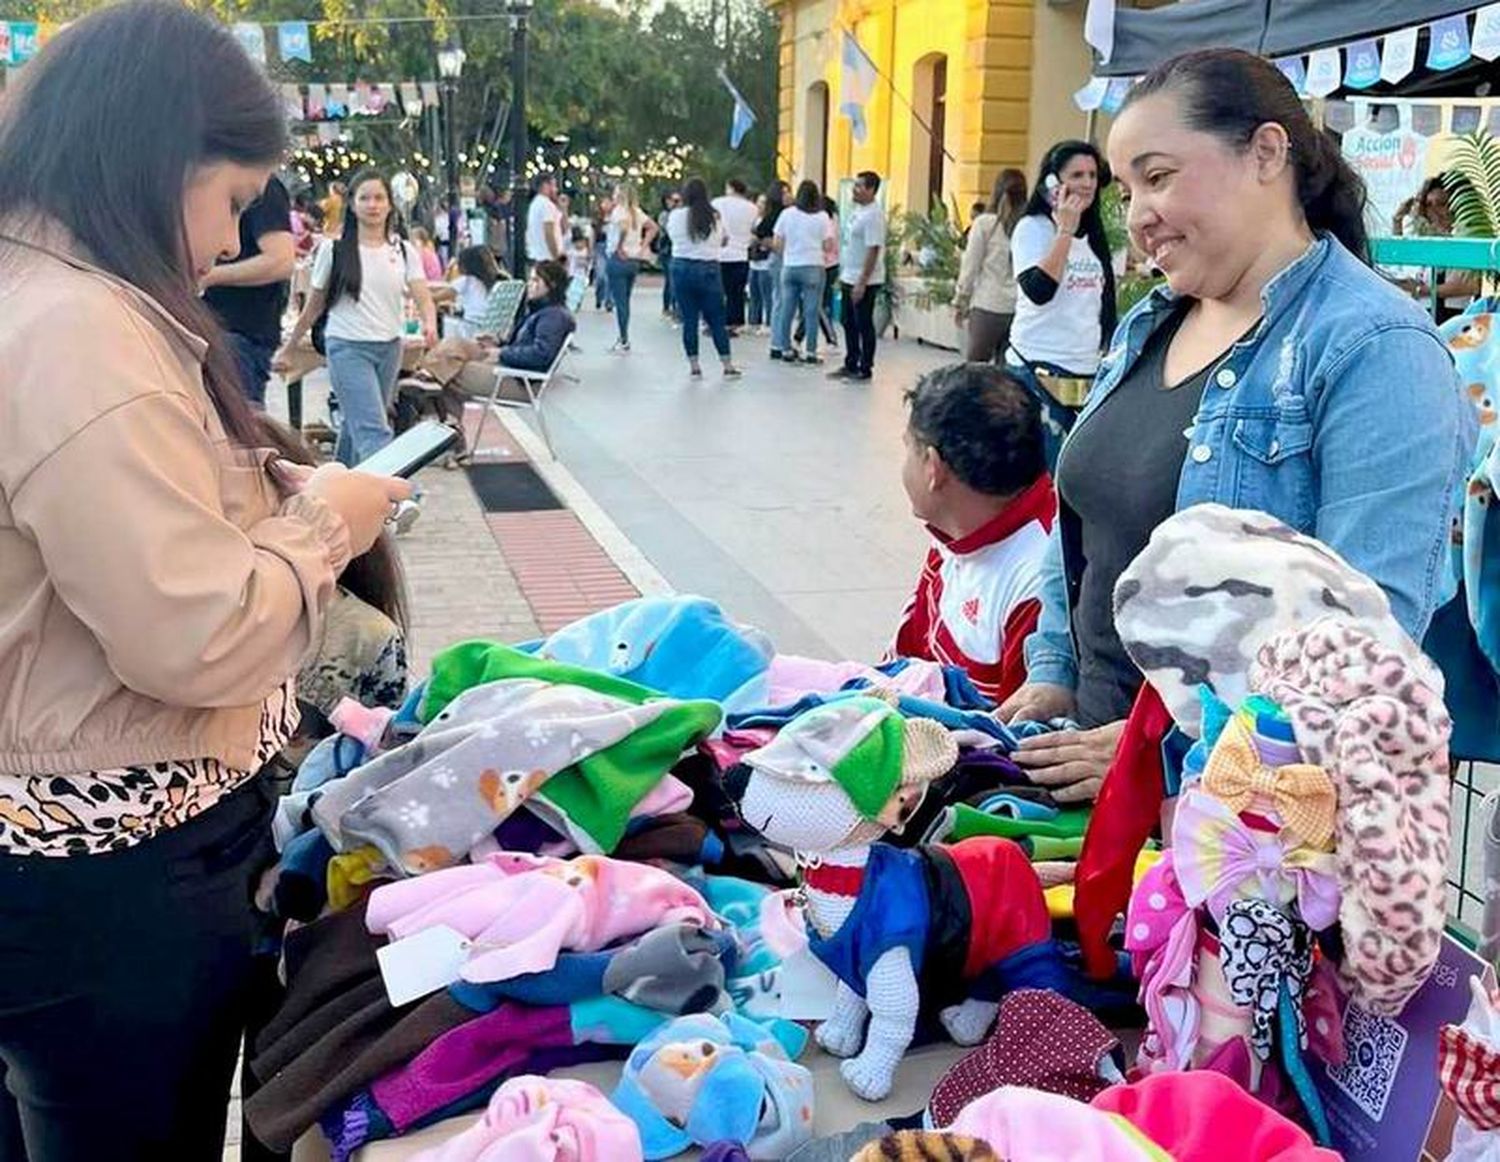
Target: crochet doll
<point>941,929</point>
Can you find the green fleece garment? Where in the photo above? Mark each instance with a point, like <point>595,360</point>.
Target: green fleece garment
<point>591,800</point>
<point>1069,823</point>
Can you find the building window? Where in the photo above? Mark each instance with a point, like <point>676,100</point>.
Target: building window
<point>929,123</point>
<point>815,134</point>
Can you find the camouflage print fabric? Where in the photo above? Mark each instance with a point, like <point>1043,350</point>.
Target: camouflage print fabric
<point>1216,583</point>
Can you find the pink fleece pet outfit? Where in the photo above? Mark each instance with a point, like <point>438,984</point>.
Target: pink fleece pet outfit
<point>544,1119</point>
<point>520,910</point>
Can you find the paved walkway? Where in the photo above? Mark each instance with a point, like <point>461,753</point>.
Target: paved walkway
<point>778,495</point>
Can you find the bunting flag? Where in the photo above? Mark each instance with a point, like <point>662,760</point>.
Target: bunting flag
<point>743,117</point>
<point>294,41</point>
<point>388,99</point>
<point>338,100</point>
<point>411,100</point>
<point>1364,65</point>
<point>1325,72</point>
<point>252,38</point>
<point>1449,42</point>
<point>317,102</point>
<point>1400,56</point>
<point>1091,96</point>
<point>291,101</point>
<point>1486,42</point>
<point>1115,93</point>
<point>25,41</point>
<point>1099,28</point>
<point>855,86</point>
<point>429,93</point>
<point>1295,71</point>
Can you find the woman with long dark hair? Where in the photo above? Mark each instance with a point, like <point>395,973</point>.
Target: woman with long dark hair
<point>478,273</point>
<point>764,245</point>
<point>697,238</point>
<point>1065,311</point>
<point>985,297</point>
<point>164,574</point>
<point>798,237</point>
<point>362,280</point>
<point>1307,386</point>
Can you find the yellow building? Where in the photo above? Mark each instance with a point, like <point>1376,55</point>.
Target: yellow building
<point>993,79</point>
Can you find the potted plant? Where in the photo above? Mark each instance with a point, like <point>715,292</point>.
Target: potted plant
<point>931,249</point>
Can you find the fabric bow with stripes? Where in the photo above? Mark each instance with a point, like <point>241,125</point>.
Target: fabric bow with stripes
<point>1302,794</point>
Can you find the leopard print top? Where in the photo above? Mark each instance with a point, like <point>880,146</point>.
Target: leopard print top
<point>104,811</point>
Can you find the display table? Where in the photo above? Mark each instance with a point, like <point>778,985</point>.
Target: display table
<point>837,1109</point>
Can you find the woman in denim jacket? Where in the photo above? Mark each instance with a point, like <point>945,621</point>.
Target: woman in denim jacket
<point>1275,371</point>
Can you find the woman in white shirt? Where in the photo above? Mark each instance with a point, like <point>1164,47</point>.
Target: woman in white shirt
<point>363,279</point>
<point>697,239</point>
<point>1065,311</point>
<point>477,275</point>
<point>627,242</point>
<point>985,297</point>
<point>799,239</point>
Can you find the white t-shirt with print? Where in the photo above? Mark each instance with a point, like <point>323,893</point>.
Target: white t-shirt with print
<point>738,216</point>
<point>803,234</point>
<point>541,211</point>
<point>379,314</point>
<point>1064,331</point>
<point>866,229</point>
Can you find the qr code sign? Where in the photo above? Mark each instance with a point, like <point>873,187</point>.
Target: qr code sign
<point>1374,1047</point>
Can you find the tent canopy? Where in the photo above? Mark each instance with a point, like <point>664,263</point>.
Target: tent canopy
<point>1274,28</point>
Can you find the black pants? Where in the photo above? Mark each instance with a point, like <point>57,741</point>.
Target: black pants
<point>736,276</point>
<point>124,983</point>
<point>859,330</point>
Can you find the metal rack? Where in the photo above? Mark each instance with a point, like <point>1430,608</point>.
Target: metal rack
<point>1472,780</point>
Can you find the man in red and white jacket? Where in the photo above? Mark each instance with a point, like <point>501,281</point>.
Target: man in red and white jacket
<point>975,472</point>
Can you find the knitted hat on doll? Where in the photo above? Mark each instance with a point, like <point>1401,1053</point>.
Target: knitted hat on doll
<point>881,761</point>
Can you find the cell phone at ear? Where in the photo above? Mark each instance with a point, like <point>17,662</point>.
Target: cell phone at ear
<point>411,451</point>
<point>1053,187</point>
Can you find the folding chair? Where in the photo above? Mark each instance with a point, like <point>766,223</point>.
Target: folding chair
<point>535,384</point>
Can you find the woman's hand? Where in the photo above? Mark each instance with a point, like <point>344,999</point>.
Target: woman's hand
<point>1070,763</point>
<point>1038,702</point>
<point>363,500</point>
<point>282,360</point>
<point>1068,213</point>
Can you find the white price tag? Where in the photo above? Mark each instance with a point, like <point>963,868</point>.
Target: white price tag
<point>422,963</point>
<point>808,987</point>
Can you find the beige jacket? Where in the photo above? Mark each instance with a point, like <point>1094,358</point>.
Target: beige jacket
<point>985,277</point>
<point>155,586</point>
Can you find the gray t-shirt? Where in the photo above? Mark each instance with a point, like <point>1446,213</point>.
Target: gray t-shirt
<point>1119,474</point>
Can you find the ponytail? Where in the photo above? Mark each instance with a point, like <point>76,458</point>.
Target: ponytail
<point>1230,94</point>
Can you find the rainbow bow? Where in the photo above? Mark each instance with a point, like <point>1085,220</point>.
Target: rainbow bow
<point>1302,794</point>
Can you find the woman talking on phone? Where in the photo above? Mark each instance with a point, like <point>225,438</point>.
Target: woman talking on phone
<point>1065,309</point>
<point>162,577</point>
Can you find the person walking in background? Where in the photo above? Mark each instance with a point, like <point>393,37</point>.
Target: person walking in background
<point>669,202</point>
<point>830,280</point>
<point>798,238</point>
<point>697,240</point>
<point>985,297</point>
<point>760,274</point>
<point>627,241</point>
<point>363,280</point>
<point>249,293</point>
<point>599,225</point>
<point>765,234</point>
<point>333,206</point>
<point>546,230</point>
<point>861,277</point>
<point>432,265</point>
<point>1065,311</point>
<point>737,215</point>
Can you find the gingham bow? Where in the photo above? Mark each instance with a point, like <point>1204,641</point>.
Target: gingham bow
<point>1302,793</point>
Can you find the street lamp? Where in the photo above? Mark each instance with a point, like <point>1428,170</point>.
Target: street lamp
<point>450,68</point>
<point>519,147</point>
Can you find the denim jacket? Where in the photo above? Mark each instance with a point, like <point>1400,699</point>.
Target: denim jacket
<point>1340,414</point>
